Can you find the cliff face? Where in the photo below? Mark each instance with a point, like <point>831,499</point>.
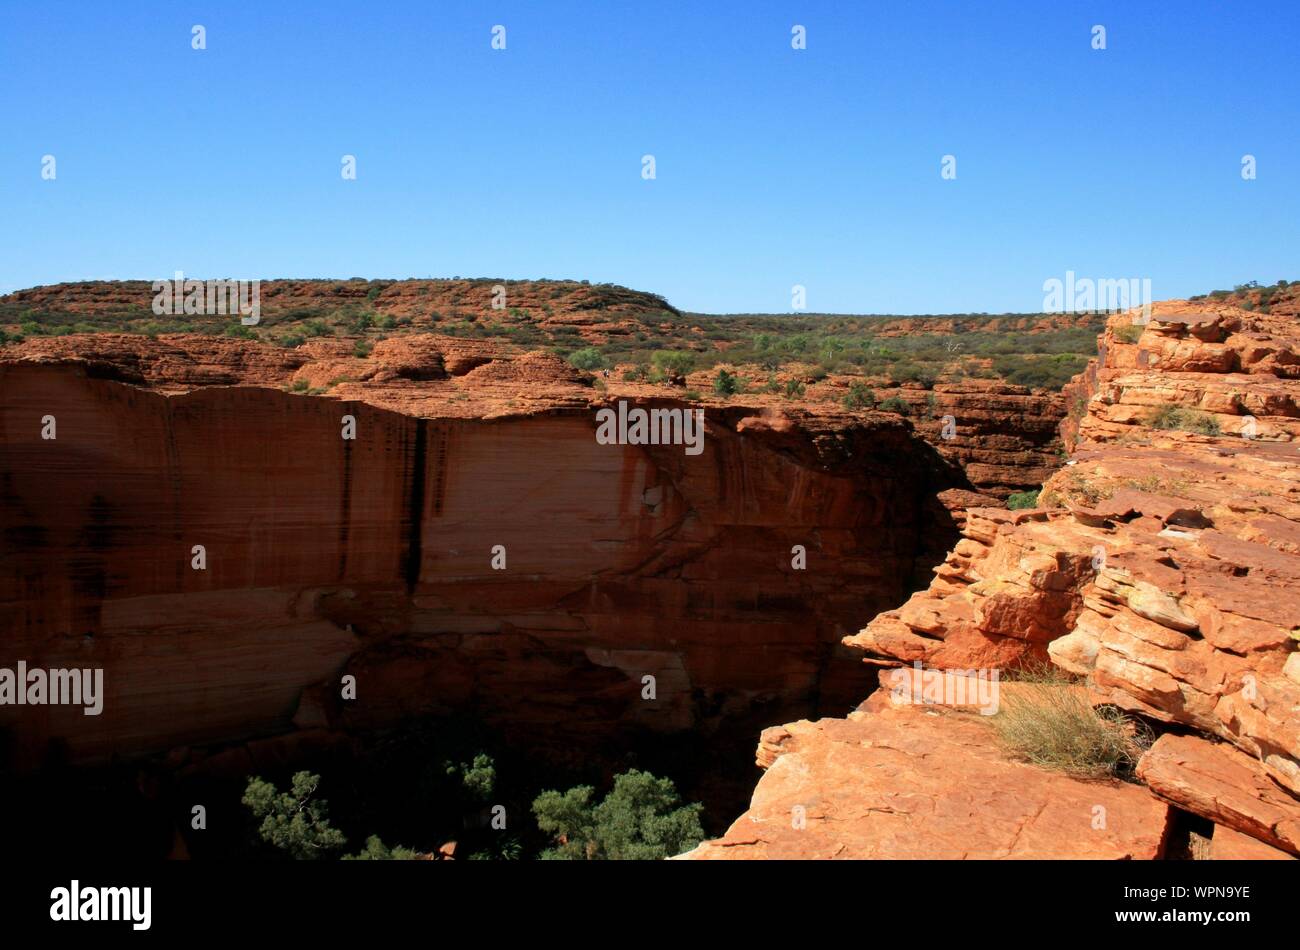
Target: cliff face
<point>373,557</point>
<point>1163,567</point>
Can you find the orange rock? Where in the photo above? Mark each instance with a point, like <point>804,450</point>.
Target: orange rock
<point>1228,844</point>
<point>1225,785</point>
<point>915,782</point>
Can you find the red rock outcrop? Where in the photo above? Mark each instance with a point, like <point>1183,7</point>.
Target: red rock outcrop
<point>1163,566</point>
<point>374,556</point>
<point>914,782</point>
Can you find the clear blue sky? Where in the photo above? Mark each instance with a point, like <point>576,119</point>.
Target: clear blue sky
<point>775,167</point>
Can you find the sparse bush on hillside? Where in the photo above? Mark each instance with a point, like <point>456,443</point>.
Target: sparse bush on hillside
<point>588,358</point>
<point>860,396</point>
<point>896,404</point>
<point>1039,372</point>
<point>1184,419</point>
<point>725,384</point>
<point>673,362</point>
<point>1128,333</point>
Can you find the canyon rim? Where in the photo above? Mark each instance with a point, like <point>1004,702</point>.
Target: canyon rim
<point>273,554</point>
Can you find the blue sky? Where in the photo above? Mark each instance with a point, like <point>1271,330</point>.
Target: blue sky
<point>774,167</point>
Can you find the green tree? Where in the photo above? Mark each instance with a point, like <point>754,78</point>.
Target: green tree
<point>642,818</point>
<point>725,384</point>
<point>673,362</point>
<point>587,358</point>
<point>376,850</point>
<point>478,778</point>
<point>860,396</point>
<point>293,821</point>
<point>896,404</point>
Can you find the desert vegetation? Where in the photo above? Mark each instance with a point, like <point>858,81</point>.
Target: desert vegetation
<point>598,327</point>
<point>1184,419</point>
<point>1046,718</point>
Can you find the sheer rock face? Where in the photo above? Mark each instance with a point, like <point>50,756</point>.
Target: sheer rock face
<point>374,557</point>
<point>1164,567</point>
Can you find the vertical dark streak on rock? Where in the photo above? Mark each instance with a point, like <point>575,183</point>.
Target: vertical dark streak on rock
<point>440,472</point>
<point>345,503</point>
<point>415,508</point>
<point>174,481</point>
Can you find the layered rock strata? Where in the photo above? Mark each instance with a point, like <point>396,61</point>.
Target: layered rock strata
<point>1163,567</point>
<point>176,514</point>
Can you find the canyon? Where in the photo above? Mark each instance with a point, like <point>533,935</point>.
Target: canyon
<point>186,514</point>
<point>274,549</point>
<point>1160,568</point>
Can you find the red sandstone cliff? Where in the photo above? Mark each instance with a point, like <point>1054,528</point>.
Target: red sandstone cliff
<point>373,557</point>
<point>1163,566</point>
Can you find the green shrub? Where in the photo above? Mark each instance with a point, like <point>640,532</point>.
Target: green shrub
<point>293,821</point>
<point>361,349</point>
<point>673,362</point>
<point>376,850</point>
<point>587,358</point>
<point>1129,332</point>
<point>794,389</point>
<point>896,404</point>
<point>642,818</point>
<point>1023,499</point>
<point>725,384</point>
<point>860,396</point>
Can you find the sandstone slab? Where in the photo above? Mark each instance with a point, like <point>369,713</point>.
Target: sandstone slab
<point>917,782</point>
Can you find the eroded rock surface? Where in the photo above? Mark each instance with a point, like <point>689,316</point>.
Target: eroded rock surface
<point>1163,565</point>
<point>903,782</point>
<point>374,557</point>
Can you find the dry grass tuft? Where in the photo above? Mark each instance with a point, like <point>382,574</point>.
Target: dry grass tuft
<point>1050,723</point>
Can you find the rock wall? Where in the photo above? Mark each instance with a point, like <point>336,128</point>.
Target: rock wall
<point>373,557</point>
<point>1163,568</point>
